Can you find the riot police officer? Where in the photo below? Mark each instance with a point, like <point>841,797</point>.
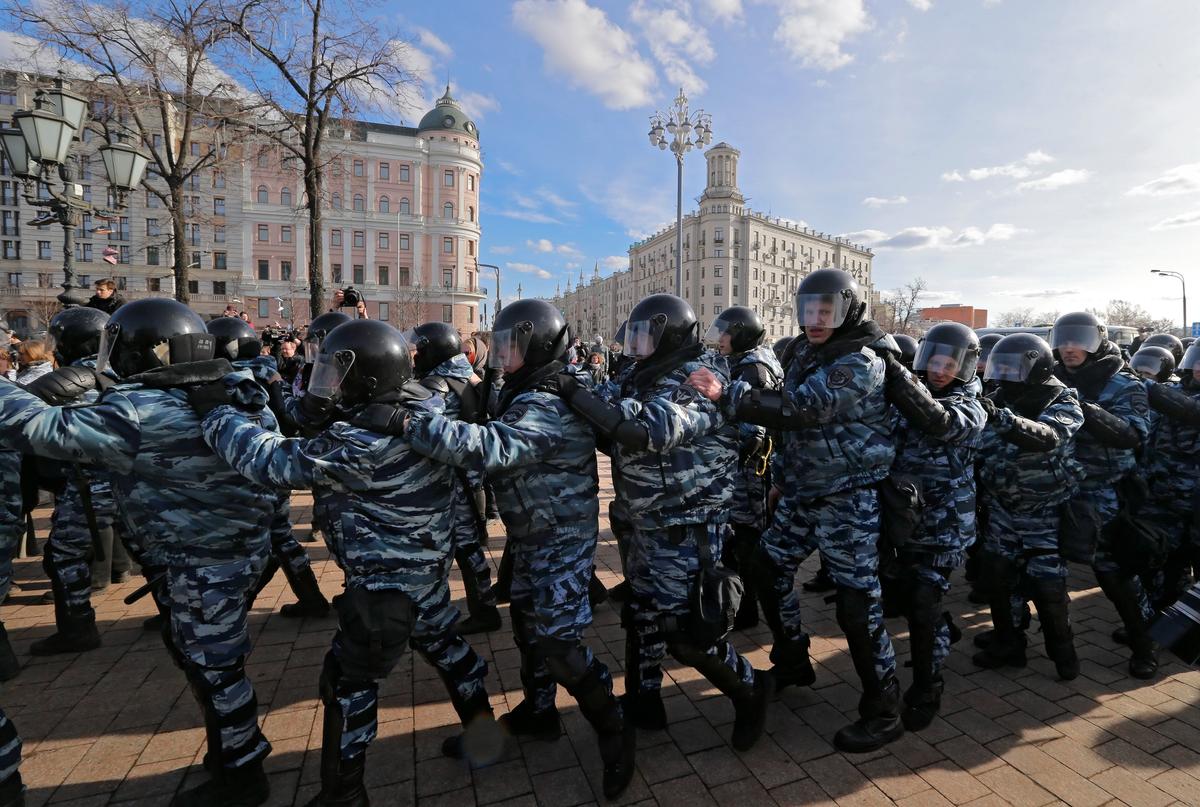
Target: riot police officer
<point>318,329</point>
<point>11,523</point>
<point>1168,341</point>
<point>941,428</point>
<point>386,514</point>
<point>200,530</point>
<point>237,342</point>
<point>737,335</point>
<point>441,367</point>
<point>541,460</point>
<point>1026,471</point>
<point>1115,424</point>
<point>908,349</point>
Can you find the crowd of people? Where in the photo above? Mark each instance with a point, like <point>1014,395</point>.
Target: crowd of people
<point>733,461</point>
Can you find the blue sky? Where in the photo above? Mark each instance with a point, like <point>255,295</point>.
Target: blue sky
<point>1013,153</point>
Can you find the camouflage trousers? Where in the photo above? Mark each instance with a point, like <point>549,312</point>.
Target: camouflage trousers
<point>468,552</point>
<point>10,747</point>
<point>10,541</point>
<point>1106,504</point>
<point>432,635</point>
<point>844,528</point>
<point>1175,516</point>
<point>550,609</point>
<point>662,565</point>
<point>208,636</point>
<point>1030,539</point>
<point>69,551</point>
<point>284,546</point>
<point>749,502</point>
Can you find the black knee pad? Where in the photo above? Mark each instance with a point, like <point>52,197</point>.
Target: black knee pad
<point>853,608</point>
<point>925,601</point>
<point>998,573</point>
<point>567,663</point>
<point>375,628</point>
<point>684,648</point>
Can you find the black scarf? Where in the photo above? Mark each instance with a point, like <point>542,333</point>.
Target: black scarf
<point>1028,401</point>
<point>842,343</point>
<point>543,378</point>
<point>1091,377</point>
<point>648,371</point>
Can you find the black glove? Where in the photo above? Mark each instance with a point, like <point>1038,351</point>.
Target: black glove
<point>204,398</point>
<point>989,408</point>
<point>316,410</point>
<point>568,385</point>
<point>892,367</point>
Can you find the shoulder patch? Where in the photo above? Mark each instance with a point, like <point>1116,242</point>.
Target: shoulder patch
<point>839,377</point>
<point>514,414</point>
<point>1064,418</point>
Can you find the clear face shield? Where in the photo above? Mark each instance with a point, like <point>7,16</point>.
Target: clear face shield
<point>1009,366</point>
<point>1078,337</point>
<point>329,371</point>
<point>720,335</point>
<point>108,339</point>
<point>1191,357</point>
<point>642,338</point>
<point>1150,366</point>
<point>821,310</point>
<point>941,360</point>
<point>509,347</point>
<point>312,348</point>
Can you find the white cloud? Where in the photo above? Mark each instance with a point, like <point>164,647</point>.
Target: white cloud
<point>434,42</point>
<point>1019,169</point>
<point>562,206</point>
<point>508,168</point>
<point>921,5</point>
<point>639,207</point>
<point>1182,220</point>
<point>1179,180</point>
<point>724,10</point>
<point>527,215</point>
<point>529,269</point>
<point>814,31</point>
<point>504,250</point>
<point>878,201</point>
<point>593,53</point>
<point>1059,179</point>
<point>953,176</point>
<point>548,246</point>
<point>476,104</point>
<point>1039,293</point>
<point>615,262</point>
<point>932,237</point>
<point>675,39</point>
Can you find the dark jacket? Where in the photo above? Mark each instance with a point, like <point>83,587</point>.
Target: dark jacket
<point>107,306</point>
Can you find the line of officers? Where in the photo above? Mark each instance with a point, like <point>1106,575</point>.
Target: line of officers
<point>733,459</point>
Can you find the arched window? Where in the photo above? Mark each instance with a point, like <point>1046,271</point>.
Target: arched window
<point>404,206</point>
<point>264,195</point>
<point>448,210</point>
<point>385,204</point>
<point>359,202</point>
<point>285,197</point>
<point>471,213</point>
<point>336,201</point>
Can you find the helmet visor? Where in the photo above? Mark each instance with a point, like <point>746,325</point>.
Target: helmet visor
<point>1191,357</point>
<point>1148,364</point>
<point>719,328</point>
<point>1009,366</point>
<point>1080,337</point>
<point>329,371</point>
<point>936,358</point>
<point>821,310</point>
<point>642,338</point>
<point>312,348</point>
<point>509,347</point>
<point>108,339</point>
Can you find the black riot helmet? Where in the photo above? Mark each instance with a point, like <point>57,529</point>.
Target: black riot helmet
<point>74,334</point>
<point>986,343</point>
<point>1079,329</point>
<point>527,334</point>
<point>1154,362</point>
<point>658,325</point>
<point>620,337</point>
<point>908,348</point>
<point>743,325</point>
<point>948,347</point>
<point>1021,358</point>
<point>1187,342</point>
<point>1169,341</point>
<point>433,343</point>
<point>318,329</point>
<point>829,298</point>
<point>151,333</point>
<point>361,361</point>
<point>780,347</point>
<point>235,338</point>
<point>1189,366</point>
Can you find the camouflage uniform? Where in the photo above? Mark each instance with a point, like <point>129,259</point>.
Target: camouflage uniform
<point>385,512</point>
<point>827,474</point>
<point>541,461</point>
<point>675,494</point>
<point>1172,469</point>
<point>202,532</point>
<point>12,529</point>
<point>749,504</point>
<point>945,466</point>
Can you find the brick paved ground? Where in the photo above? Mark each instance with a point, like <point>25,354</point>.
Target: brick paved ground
<point>118,726</point>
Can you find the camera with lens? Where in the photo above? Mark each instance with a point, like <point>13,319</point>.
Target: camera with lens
<point>351,297</point>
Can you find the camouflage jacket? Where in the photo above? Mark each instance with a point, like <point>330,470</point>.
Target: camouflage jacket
<point>1172,455</point>
<point>187,507</point>
<point>685,475</point>
<point>385,509</point>
<point>758,368</point>
<point>1123,395</point>
<point>12,522</point>
<point>945,466</point>
<point>539,457</point>
<point>1030,481</point>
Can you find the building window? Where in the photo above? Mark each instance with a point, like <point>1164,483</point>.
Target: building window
<point>44,250</point>
<point>152,228</point>
<point>219,233</point>
<point>154,284</point>
<point>218,179</point>
<point>264,195</point>
<point>404,243</point>
<point>448,181</point>
<point>448,210</point>
<point>220,261</point>
<point>385,205</point>
<point>470,213</point>
<point>358,168</point>
<point>335,238</point>
<point>470,182</point>
<point>360,238</point>
<point>404,207</point>
<point>360,274</point>
<point>448,246</point>
<point>285,197</point>
<point>264,232</point>
<point>12,250</point>
<point>470,247</point>
<point>124,254</point>
<point>404,177</point>
<point>264,270</point>
<point>716,291</point>
<point>470,314</point>
<point>285,270</point>
<point>385,171</point>
<point>152,256</point>
<point>193,231</point>
<point>219,287</point>
<point>14,280</point>
<point>335,271</point>
<point>336,201</point>
<point>447,278</point>
<point>403,276</point>
<point>285,234</point>
<point>384,241</point>
<point>385,276</point>
<point>218,206</point>
<point>735,292</point>
<point>264,308</point>
<point>385,312</point>
<point>447,313</point>
<point>193,287</point>
<point>360,203</point>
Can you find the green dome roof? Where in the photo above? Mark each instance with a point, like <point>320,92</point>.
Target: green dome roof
<point>448,116</point>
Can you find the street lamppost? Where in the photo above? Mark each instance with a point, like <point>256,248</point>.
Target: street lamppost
<point>493,266</point>
<point>683,130</point>
<point>38,145</point>
<point>1183,286</point>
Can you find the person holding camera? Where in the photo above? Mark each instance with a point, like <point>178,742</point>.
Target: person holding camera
<point>350,297</point>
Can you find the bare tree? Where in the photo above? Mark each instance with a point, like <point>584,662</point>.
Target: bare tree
<point>410,305</point>
<point>44,308</point>
<point>1016,318</point>
<point>904,305</point>
<point>150,75</point>
<point>314,63</point>
<point>1124,312</point>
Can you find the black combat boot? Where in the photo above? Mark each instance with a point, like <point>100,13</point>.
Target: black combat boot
<point>750,711</point>
<point>77,632</point>
<point>523,721</point>
<point>792,666</point>
<point>346,789</point>
<point>615,736</point>
<point>1006,646</point>
<point>1121,590</point>
<point>310,600</point>
<point>246,786</point>
<point>821,581</point>
<point>879,720</point>
<point>1051,600</point>
<point>9,666</point>
<point>481,741</point>
<point>924,697</point>
<point>12,791</point>
<point>503,587</point>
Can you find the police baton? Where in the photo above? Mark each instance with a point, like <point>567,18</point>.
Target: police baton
<point>145,588</point>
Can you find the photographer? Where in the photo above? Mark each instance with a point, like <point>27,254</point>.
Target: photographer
<point>350,297</point>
